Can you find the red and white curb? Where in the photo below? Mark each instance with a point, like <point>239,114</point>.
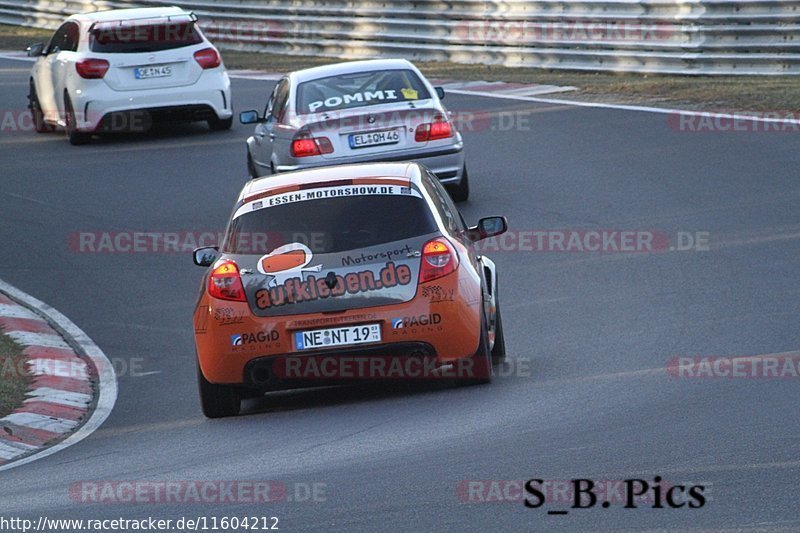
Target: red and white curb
<point>73,387</point>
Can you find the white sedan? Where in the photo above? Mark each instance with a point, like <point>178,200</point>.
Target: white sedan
<point>357,112</point>
<point>122,69</point>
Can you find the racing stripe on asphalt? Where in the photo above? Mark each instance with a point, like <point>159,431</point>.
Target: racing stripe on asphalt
<point>60,393</point>
<point>495,87</point>
<point>501,87</point>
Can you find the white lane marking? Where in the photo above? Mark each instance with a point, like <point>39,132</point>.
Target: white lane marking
<point>37,421</point>
<point>16,56</point>
<point>535,90</point>
<point>61,397</point>
<point>9,449</point>
<point>29,338</point>
<point>76,369</point>
<point>107,379</point>
<point>141,374</point>
<point>17,311</point>
<point>599,105</point>
<point>254,75</point>
<point>629,107</point>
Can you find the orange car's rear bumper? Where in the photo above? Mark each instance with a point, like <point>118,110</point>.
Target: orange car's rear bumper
<point>441,323</point>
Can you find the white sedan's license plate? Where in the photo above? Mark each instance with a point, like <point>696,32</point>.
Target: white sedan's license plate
<point>159,71</point>
<point>343,336</point>
<point>375,138</point>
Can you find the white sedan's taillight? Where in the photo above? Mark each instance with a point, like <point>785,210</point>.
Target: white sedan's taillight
<point>308,146</point>
<point>440,128</point>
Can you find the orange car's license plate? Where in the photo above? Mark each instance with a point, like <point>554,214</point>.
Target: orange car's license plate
<point>342,336</point>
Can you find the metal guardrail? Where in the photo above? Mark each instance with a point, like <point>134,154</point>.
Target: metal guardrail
<point>683,37</point>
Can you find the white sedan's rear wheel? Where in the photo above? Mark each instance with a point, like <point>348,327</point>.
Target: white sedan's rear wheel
<point>460,191</point>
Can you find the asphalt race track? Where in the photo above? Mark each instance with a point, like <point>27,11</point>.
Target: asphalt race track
<point>594,330</point>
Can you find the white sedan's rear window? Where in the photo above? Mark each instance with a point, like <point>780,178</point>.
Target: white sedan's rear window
<point>360,89</point>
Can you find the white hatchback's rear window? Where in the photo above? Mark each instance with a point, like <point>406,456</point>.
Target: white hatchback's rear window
<point>137,37</point>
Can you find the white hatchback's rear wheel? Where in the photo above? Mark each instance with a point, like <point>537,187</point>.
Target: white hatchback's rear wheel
<point>36,112</point>
<point>220,124</point>
<point>75,137</point>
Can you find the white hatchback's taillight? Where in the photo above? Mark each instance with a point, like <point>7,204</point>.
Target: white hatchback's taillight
<point>438,259</point>
<point>92,68</point>
<point>224,282</point>
<point>208,58</point>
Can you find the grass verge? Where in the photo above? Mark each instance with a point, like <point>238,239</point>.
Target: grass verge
<point>779,94</point>
<point>14,378</point>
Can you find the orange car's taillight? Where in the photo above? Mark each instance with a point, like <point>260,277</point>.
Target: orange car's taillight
<point>438,259</point>
<point>224,282</point>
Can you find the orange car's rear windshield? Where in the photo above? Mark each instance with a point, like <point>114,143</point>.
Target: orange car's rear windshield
<point>331,225</point>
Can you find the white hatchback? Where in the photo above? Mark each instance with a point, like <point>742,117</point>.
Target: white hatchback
<point>122,69</point>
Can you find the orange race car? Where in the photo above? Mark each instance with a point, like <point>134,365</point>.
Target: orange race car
<point>340,274</point>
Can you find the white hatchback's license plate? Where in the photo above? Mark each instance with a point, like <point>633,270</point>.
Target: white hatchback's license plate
<point>160,71</point>
<point>375,138</point>
<point>343,336</point>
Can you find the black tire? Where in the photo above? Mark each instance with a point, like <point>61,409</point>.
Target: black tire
<point>499,348</point>
<point>36,112</point>
<point>217,401</point>
<point>251,166</point>
<point>481,370</point>
<point>75,137</point>
<point>460,191</point>
<point>220,124</point>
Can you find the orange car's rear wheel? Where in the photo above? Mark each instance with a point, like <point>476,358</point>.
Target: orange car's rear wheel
<point>217,401</point>
<point>482,369</point>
